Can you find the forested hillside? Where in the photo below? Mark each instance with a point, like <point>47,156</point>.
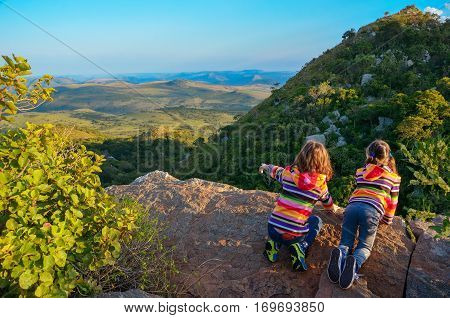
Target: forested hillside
<point>387,80</point>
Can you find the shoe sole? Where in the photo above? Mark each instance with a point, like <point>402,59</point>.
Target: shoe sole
<point>334,270</point>
<point>348,273</point>
<point>302,265</point>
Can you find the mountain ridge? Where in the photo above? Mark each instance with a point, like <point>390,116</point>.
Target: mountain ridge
<point>385,35</point>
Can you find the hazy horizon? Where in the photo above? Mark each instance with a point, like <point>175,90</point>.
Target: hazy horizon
<point>163,73</point>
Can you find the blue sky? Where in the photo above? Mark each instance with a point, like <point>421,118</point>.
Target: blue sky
<point>176,35</point>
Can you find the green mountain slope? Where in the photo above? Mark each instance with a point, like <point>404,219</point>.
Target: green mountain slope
<point>404,52</point>
<point>387,80</point>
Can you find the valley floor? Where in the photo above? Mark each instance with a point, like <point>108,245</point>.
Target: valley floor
<point>89,124</point>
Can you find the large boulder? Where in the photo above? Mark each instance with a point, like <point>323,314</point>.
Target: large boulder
<point>341,142</point>
<point>429,270</point>
<point>343,119</point>
<point>366,78</point>
<point>327,120</point>
<point>332,130</point>
<point>383,123</point>
<point>426,56</point>
<point>219,232</point>
<point>336,114</point>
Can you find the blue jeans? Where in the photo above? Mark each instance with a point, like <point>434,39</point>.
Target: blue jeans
<point>314,223</point>
<point>366,218</point>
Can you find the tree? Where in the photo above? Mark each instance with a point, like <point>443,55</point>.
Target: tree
<point>433,106</point>
<point>414,128</point>
<point>321,95</point>
<point>15,94</point>
<point>349,34</point>
<point>430,110</point>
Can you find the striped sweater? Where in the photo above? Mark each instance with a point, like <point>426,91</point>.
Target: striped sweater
<point>379,187</point>
<point>301,190</point>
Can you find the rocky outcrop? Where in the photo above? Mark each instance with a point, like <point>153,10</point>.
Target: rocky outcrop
<point>429,270</point>
<point>219,233</point>
<point>383,123</point>
<point>366,78</point>
<point>332,119</point>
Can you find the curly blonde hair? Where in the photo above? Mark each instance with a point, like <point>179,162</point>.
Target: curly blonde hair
<point>314,157</point>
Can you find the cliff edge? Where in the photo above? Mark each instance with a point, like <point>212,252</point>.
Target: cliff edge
<point>219,233</point>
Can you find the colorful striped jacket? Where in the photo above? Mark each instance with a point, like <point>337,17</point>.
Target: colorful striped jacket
<point>379,187</point>
<point>301,190</point>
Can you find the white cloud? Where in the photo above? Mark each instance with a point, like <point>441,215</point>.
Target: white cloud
<point>434,10</point>
<point>439,12</point>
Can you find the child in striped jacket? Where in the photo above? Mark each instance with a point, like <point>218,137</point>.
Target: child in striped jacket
<point>303,184</point>
<point>373,201</point>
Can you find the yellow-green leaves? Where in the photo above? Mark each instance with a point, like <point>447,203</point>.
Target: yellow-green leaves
<point>9,61</point>
<point>46,278</point>
<point>59,223</point>
<point>15,94</point>
<point>27,279</point>
<point>38,175</point>
<point>11,224</point>
<point>60,258</point>
<point>425,114</point>
<point>48,262</point>
<point>3,178</point>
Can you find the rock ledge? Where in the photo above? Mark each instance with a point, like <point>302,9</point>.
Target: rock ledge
<point>219,232</point>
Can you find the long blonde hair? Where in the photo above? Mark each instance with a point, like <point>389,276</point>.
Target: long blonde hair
<point>379,153</point>
<point>314,157</point>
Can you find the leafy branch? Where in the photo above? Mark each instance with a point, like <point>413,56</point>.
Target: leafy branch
<point>15,93</point>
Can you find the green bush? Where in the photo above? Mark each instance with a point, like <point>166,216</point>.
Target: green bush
<point>428,187</point>
<point>57,224</point>
<point>429,114</point>
<point>341,189</point>
<point>144,261</point>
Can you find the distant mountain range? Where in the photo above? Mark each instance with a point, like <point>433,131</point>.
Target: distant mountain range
<point>245,77</point>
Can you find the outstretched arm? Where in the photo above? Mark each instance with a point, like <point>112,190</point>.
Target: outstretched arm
<point>273,171</point>
<point>326,199</point>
